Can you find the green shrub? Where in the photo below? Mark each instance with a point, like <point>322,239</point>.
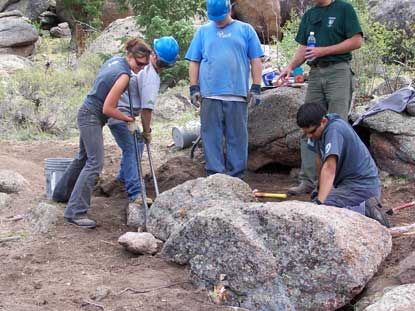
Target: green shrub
<point>169,18</point>
<point>43,102</point>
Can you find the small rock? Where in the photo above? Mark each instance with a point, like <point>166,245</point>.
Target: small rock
<point>101,293</point>
<point>60,31</point>
<point>140,243</point>
<point>11,182</point>
<point>4,200</point>
<point>43,217</point>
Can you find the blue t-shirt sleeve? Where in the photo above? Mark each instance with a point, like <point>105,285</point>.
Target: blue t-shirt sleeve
<point>333,144</point>
<point>254,45</point>
<point>194,52</point>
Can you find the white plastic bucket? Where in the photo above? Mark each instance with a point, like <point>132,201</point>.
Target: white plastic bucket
<point>184,137</point>
<point>54,169</point>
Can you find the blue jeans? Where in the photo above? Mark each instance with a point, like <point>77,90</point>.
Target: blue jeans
<point>352,197</point>
<point>86,166</point>
<point>128,172</point>
<point>224,119</point>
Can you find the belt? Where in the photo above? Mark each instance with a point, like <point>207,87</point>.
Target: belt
<point>323,64</point>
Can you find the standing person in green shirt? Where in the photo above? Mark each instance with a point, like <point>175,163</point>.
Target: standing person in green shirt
<point>337,32</point>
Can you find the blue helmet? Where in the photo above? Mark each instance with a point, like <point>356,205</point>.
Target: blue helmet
<point>217,10</point>
<point>166,49</point>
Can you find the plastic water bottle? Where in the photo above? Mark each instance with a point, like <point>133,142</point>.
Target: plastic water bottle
<point>311,40</point>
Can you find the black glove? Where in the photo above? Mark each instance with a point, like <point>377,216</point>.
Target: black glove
<point>316,201</point>
<point>254,95</point>
<point>195,96</point>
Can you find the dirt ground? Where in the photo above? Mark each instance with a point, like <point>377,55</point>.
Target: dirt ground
<point>69,268</point>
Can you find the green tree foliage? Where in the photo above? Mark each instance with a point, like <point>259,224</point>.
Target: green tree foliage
<point>168,18</point>
<point>88,12</point>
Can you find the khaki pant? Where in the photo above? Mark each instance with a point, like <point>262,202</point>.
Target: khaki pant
<point>331,87</point>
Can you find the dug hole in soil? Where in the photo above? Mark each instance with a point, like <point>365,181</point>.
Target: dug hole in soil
<point>77,269</point>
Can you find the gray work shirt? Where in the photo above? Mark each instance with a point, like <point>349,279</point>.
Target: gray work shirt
<point>144,88</point>
<point>355,165</point>
<point>108,74</point>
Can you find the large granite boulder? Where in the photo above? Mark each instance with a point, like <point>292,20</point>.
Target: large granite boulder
<point>175,206</point>
<point>392,140</point>
<point>110,40</point>
<point>274,136</point>
<point>263,15</point>
<point>273,256</point>
<point>17,35</point>
<point>30,8</point>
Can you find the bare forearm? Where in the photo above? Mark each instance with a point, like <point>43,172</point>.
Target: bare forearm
<point>256,70</point>
<point>146,119</point>
<point>327,174</point>
<point>345,46</point>
<point>194,73</point>
<point>116,114</point>
<point>299,57</point>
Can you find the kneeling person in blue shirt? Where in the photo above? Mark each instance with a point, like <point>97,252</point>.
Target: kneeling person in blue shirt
<point>348,174</point>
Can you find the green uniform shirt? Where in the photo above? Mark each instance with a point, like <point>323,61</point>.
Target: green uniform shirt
<point>331,25</point>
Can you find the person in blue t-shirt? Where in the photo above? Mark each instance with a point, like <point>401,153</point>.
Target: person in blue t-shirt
<point>222,54</point>
<point>348,176</point>
<point>144,88</point>
<point>99,105</point>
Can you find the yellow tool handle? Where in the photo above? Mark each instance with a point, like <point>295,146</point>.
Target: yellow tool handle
<point>271,195</point>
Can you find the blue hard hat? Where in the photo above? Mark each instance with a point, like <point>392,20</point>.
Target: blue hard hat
<point>166,49</point>
<point>217,10</point>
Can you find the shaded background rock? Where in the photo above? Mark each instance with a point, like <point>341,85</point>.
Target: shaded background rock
<point>17,36</point>
<point>109,41</point>
<point>172,105</point>
<point>263,15</point>
<point>274,136</point>
<point>281,256</point>
<point>30,8</point>
<point>298,6</point>
<point>392,140</point>
<point>392,85</point>
<point>11,182</point>
<point>175,206</point>
<point>176,171</point>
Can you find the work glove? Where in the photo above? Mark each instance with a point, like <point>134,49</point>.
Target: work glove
<point>254,95</point>
<point>146,136</point>
<point>195,96</point>
<point>133,126</point>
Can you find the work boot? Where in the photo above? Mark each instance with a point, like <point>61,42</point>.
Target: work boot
<point>375,211</point>
<point>81,221</point>
<point>302,188</point>
<point>139,200</point>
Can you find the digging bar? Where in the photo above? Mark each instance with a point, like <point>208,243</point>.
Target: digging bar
<point>139,170</point>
